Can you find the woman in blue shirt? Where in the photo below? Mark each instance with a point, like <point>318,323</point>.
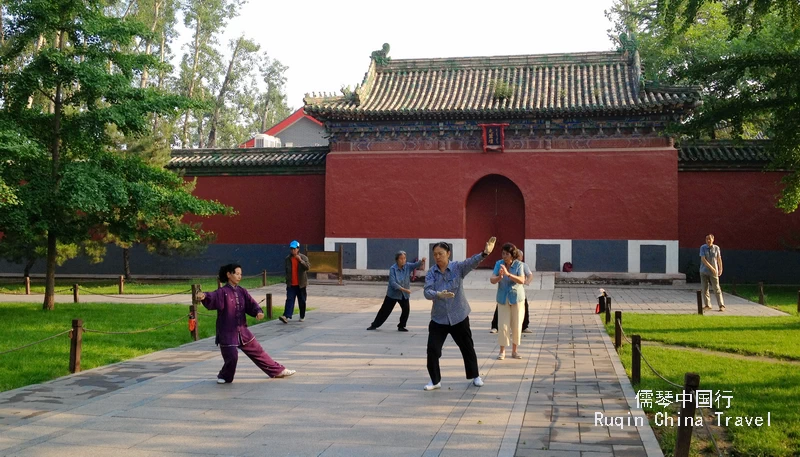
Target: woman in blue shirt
<point>450,311</point>
<point>509,275</point>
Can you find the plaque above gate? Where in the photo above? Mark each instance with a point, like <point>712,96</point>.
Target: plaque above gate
<point>493,137</point>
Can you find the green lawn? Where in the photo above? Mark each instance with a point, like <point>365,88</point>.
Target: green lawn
<point>777,337</point>
<point>26,323</point>
<point>783,298</point>
<point>757,387</point>
<point>111,287</point>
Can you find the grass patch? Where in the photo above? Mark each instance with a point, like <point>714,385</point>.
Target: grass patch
<point>783,298</point>
<point>111,287</point>
<point>763,336</point>
<point>27,322</point>
<point>756,388</point>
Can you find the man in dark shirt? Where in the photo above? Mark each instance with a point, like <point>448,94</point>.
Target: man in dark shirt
<point>296,266</point>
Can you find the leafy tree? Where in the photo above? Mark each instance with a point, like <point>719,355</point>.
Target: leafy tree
<point>65,77</point>
<point>743,53</point>
<point>243,57</point>
<point>206,19</point>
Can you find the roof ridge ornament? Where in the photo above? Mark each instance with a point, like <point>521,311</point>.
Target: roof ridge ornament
<point>381,56</point>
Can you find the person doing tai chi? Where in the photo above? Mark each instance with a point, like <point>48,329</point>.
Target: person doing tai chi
<point>450,311</point>
<point>232,302</point>
<point>398,291</point>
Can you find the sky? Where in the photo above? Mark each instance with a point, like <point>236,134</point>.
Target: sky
<point>327,44</point>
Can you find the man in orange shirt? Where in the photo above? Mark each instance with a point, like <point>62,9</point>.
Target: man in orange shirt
<point>297,266</point>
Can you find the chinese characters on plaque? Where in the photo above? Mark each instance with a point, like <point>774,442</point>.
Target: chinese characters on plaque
<point>493,137</point>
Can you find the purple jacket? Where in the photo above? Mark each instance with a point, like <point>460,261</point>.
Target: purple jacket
<point>232,303</point>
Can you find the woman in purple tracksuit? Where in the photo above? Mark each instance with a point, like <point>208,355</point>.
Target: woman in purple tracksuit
<point>232,303</point>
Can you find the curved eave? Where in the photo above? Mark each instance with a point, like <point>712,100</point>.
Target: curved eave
<point>681,107</point>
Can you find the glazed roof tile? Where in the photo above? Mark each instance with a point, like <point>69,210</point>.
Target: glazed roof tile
<point>597,83</point>
<point>724,154</point>
<point>260,160</point>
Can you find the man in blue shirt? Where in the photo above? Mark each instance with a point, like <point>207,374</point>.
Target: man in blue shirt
<point>398,291</point>
<point>450,311</point>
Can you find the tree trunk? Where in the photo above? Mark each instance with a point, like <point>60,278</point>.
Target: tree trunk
<point>212,131</point>
<point>264,124</point>
<point>191,83</point>
<point>126,263</point>
<point>148,48</point>
<point>55,150</point>
<point>28,266</point>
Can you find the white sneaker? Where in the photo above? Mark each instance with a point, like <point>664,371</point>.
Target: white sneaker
<point>302,319</point>
<point>285,373</point>
<point>527,330</point>
<point>432,386</point>
<point>494,330</point>
<point>220,381</point>
<point>477,382</point>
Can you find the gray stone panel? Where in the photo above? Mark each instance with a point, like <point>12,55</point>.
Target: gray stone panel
<point>746,266</point>
<point>653,258</point>
<point>600,255</point>
<point>548,257</point>
<point>381,251</point>
<point>348,254</point>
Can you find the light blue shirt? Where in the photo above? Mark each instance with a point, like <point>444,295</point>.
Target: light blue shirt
<point>711,254</point>
<point>400,277</point>
<point>508,289</point>
<point>450,311</point>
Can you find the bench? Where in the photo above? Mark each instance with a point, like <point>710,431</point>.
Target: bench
<point>326,262</point>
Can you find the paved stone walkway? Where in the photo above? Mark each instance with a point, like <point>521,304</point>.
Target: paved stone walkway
<point>356,393</point>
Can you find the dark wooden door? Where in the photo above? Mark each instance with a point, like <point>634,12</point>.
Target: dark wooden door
<point>495,207</point>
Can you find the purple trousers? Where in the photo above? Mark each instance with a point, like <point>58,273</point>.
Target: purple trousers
<point>252,349</point>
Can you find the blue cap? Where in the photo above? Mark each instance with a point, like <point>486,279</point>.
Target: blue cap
<point>294,244</point>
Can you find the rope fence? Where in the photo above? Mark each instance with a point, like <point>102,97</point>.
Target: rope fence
<point>691,384</point>
<point>121,282</point>
<point>36,342</point>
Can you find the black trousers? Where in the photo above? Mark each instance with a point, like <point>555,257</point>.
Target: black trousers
<point>526,321</point>
<point>462,335</point>
<point>386,310</point>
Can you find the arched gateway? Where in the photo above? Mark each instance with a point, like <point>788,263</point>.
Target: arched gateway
<point>495,207</point>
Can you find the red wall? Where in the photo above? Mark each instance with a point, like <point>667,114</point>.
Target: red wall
<point>272,209</point>
<point>738,207</point>
<point>593,194</point>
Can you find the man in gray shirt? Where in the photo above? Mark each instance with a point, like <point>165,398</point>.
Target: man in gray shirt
<point>710,271</point>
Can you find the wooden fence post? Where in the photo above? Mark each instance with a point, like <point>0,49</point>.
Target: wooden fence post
<point>193,312</point>
<point>636,361</point>
<point>75,346</point>
<point>269,306</point>
<point>700,302</point>
<point>264,278</point>
<point>121,284</point>
<point>75,298</point>
<point>27,285</point>
<point>617,330</point>
<point>761,300</point>
<point>691,382</point>
<point>608,310</point>
<point>733,288</point>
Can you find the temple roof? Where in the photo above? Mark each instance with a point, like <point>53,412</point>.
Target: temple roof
<point>544,85</point>
<point>252,161</point>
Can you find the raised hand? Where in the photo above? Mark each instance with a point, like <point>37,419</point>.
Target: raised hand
<point>489,245</point>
